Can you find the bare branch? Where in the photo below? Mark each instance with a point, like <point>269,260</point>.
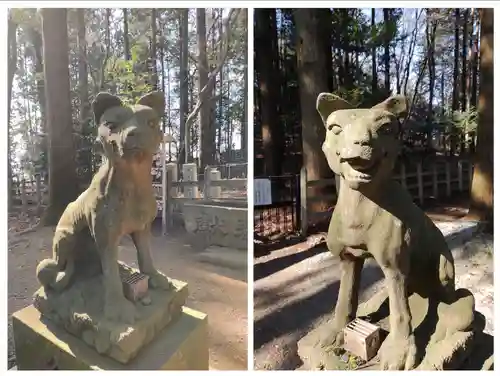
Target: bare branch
<point>232,16</point>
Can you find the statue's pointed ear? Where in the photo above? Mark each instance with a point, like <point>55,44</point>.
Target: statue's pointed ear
<point>395,104</point>
<point>328,103</point>
<point>155,100</point>
<point>102,102</point>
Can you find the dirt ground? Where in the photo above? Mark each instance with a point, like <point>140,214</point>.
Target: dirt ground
<point>296,288</point>
<point>219,291</point>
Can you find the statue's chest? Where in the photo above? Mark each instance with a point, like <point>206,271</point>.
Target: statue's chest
<point>137,212</point>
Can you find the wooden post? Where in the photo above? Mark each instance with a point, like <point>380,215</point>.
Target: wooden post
<point>460,177</point>
<point>24,200</point>
<point>420,183</point>
<point>206,183</point>
<point>303,202</point>
<point>164,190</point>
<point>448,179</point>
<point>38,185</point>
<point>168,206</point>
<point>403,175</point>
<point>435,188</point>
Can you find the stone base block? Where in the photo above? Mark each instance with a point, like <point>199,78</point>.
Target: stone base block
<point>80,311</point>
<point>445,334</point>
<point>41,345</point>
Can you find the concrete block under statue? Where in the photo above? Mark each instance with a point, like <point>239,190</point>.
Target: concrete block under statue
<point>93,312</point>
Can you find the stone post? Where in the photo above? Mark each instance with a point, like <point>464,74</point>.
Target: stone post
<point>215,191</point>
<point>190,173</point>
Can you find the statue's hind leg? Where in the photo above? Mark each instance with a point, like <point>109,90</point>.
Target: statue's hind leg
<point>56,273</point>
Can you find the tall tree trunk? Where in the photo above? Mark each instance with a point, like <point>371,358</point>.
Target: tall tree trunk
<point>62,167</point>
<point>83,91</point>
<point>266,66</point>
<point>431,26</point>
<point>154,72</point>
<point>387,55</point>
<point>162,64</point>
<point>207,139</point>
<point>464,61</point>
<point>184,89</point>
<point>126,42</point>
<point>470,37</point>
<point>244,120</point>
<point>312,74</point>
<point>374,58</point>
<point>326,24</point>
<point>12,68</point>
<point>456,68</point>
<point>481,205</point>
<point>475,55</point>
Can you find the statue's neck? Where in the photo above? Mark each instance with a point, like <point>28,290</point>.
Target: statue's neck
<point>128,174</point>
<point>376,193</point>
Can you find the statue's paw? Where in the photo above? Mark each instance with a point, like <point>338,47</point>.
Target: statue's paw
<point>332,336</point>
<point>158,280</point>
<point>121,310</point>
<point>398,353</point>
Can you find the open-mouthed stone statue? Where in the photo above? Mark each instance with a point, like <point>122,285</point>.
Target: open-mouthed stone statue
<point>119,201</point>
<point>376,217</point>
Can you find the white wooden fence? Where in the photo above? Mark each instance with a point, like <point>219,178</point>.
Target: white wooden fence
<point>422,180</point>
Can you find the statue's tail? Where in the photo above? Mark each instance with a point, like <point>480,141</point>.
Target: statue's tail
<point>55,274</point>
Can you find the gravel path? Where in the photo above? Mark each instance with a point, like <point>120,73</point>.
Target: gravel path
<point>296,288</point>
<point>216,290</point>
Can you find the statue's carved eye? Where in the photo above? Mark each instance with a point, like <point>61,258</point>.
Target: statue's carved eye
<point>334,128</point>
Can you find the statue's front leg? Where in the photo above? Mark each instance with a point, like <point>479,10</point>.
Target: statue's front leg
<point>142,244</point>
<point>116,306</point>
<point>347,302</point>
<point>398,352</point>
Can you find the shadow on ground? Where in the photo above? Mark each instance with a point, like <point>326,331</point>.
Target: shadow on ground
<point>264,269</point>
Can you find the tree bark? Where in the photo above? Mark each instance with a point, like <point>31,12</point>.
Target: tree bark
<point>374,58</point>
<point>184,90</point>
<point>154,72</point>
<point>83,92</point>
<point>431,26</point>
<point>207,138</point>
<point>312,74</point>
<point>62,167</point>
<point>125,34</point>
<point>481,205</point>
<point>266,65</point>
<point>464,61</point>
<point>455,99</point>
<point>475,54</point>
<point>12,68</point>
<point>387,55</point>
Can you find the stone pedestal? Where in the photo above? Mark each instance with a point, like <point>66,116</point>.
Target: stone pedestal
<point>41,345</point>
<point>439,336</point>
<point>70,331</point>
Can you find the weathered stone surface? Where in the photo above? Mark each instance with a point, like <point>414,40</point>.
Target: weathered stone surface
<point>41,345</point>
<point>439,347</point>
<point>214,224</point>
<point>80,310</point>
<point>119,201</point>
<point>375,217</point>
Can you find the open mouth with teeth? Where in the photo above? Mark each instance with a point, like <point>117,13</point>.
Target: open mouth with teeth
<point>360,170</point>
